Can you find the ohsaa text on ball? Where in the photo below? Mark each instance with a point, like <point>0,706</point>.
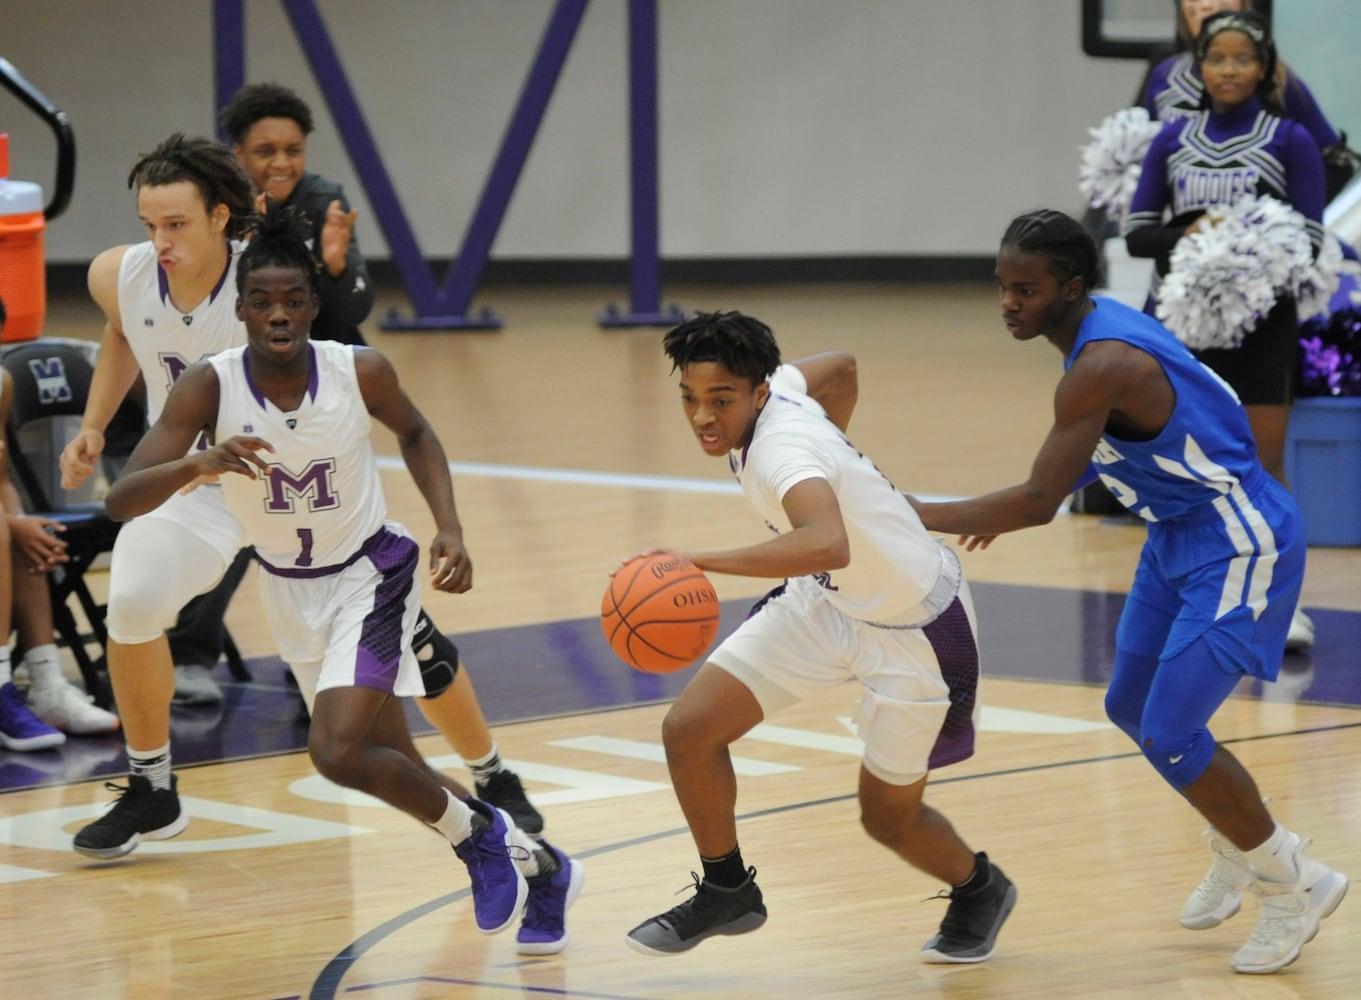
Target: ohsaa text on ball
<point>694,597</point>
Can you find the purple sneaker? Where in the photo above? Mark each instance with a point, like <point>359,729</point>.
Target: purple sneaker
<point>20,729</point>
<point>544,930</point>
<point>499,888</point>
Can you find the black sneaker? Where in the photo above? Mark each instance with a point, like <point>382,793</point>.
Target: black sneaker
<point>503,790</point>
<point>969,931</point>
<point>711,910</point>
<point>141,813</point>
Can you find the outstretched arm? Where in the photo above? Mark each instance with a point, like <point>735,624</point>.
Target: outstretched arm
<point>1082,405</point>
<point>834,382</point>
<point>159,466</point>
<point>425,459</point>
<point>816,543</point>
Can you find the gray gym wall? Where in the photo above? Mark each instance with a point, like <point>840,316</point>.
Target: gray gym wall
<point>788,127</point>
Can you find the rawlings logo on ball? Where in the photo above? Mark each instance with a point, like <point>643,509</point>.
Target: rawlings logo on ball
<point>669,566</point>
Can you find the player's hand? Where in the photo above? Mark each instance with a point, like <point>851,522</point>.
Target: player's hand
<point>335,237</point>
<point>37,542</point>
<point>237,454</point>
<point>78,458</point>
<point>971,542</point>
<point>451,568</point>
<point>646,553</point>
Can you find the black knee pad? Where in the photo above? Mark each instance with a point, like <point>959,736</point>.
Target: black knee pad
<point>436,654</point>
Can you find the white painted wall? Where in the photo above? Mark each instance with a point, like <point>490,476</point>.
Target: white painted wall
<point>788,127</point>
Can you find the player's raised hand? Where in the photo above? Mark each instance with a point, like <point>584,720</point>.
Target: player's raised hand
<point>335,236</point>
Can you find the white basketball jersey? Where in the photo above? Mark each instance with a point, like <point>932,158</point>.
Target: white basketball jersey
<point>164,340</point>
<point>322,498</point>
<point>895,563</point>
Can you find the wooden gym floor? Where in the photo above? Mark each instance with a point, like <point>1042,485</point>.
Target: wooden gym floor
<point>571,455</point>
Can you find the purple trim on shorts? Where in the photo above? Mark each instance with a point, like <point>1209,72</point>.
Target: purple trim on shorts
<point>769,596</point>
<point>952,640</point>
<point>312,572</point>
<point>381,638</point>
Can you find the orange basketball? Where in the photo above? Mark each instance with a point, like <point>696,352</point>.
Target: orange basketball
<point>659,613</point>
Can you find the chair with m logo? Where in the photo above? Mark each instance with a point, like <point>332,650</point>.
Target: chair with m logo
<point>51,381</point>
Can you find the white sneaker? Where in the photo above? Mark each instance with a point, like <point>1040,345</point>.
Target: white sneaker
<point>64,706</point>
<point>1301,634</point>
<point>194,685</point>
<point>1220,893</point>
<point>1290,914</point>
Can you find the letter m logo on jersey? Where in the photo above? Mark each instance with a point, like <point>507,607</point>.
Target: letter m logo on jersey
<point>316,483</point>
<point>49,375</point>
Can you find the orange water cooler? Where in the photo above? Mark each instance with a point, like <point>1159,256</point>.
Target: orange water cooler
<point>24,217</point>
<point>23,278</point>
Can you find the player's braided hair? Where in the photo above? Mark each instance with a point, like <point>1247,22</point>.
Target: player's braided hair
<point>1060,238</point>
<point>742,344</point>
<point>279,239</point>
<point>264,100</point>
<point>209,166</point>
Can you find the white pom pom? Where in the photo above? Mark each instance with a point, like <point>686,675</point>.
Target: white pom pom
<point>1112,161</point>
<point>1225,279</point>
<point>1316,283</point>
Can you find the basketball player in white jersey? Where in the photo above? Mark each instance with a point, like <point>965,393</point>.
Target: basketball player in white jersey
<point>339,581</point>
<point>868,595</point>
<point>167,303</point>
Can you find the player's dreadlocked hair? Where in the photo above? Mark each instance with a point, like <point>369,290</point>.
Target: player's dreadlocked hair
<point>742,344</point>
<point>1061,239</point>
<point>264,100</point>
<point>209,166</point>
<point>279,239</point>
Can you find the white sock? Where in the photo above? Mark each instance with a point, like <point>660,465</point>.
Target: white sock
<point>1275,859</point>
<point>457,822</point>
<point>154,765</point>
<point>484,767</point>
<point>6,675</point>
<point>44,666</point>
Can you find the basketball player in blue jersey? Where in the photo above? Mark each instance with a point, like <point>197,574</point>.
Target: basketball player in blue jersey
<point>291,420</point>
<point>868,596</point>
<point>1239,146</point>
<point>1216,584</point>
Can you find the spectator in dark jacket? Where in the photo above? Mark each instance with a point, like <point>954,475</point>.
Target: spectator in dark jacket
<point>268,125</point>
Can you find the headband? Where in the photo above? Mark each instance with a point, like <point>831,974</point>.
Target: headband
<point>1234,21</point>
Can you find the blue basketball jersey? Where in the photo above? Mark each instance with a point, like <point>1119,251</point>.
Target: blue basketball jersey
<point>1204,455</point>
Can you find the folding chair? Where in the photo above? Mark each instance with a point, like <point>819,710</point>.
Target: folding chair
<point>52,380</point>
